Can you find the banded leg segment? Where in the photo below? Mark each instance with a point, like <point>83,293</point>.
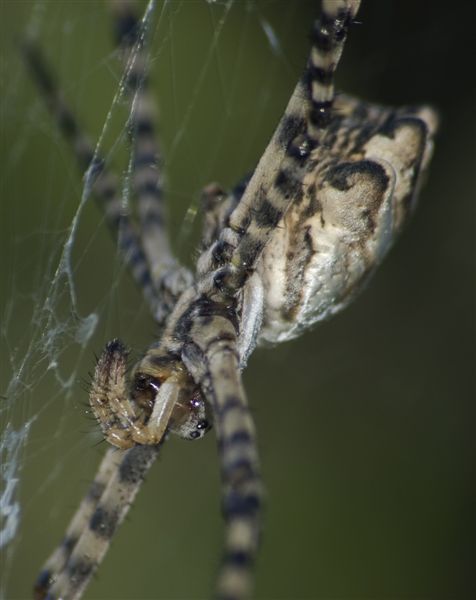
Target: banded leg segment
<point>103,183</point>
<point>109,513</point>
<point>328,38</point>
<point>147,175</point>
<point>211,357</point>
<point>277,180</point>
<point>217,207</point>
<point>169,277</point>
<point>57,561</point>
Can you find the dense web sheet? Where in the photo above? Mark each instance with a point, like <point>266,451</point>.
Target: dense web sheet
<point>353,420</point>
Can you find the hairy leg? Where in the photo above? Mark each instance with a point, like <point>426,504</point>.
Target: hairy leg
<point>57,561</point>
<point>109,513</point>
<point>211,357</point>
<point>103,183</point>
<point>147,182</point>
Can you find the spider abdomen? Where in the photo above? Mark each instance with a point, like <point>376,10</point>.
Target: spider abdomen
<point>349,211</point>
<point>328,244</point>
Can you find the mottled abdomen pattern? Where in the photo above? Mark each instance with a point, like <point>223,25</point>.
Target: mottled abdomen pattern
<point>360,187</point>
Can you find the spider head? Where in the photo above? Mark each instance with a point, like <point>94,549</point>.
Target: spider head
<point>191,417</point>
<point>161,388</point>
<point>161,397</point>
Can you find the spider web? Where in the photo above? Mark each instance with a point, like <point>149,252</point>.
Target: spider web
<point>222,72</point>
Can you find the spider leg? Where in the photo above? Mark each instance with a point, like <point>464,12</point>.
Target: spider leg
<point>215,203</point>
<point>104,184</point>
<point>211,357</point>
<point>129,470</point>
<point>125,423</point>
<point>277,180</point>
<point>58,559</point>
<point>169,277</point>
<point>328,39</point>
<point>217,206</point>
<point>70,566</point>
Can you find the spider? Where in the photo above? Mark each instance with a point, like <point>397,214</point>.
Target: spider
<point>290,245</point>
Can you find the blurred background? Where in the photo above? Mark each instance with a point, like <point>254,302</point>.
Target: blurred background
<point>366,424</point>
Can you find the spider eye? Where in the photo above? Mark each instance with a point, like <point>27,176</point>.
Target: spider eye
<point>192,417</point>
<point>144,391</point>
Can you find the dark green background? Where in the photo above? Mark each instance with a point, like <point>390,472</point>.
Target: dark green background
<point>366,424</point>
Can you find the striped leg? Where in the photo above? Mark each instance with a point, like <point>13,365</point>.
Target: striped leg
<point>104,184</point>
<point>228,263</point>
<point>215,202</point>
<point>125,479</point>
<point>217,206</point>
<point>169,277</point>
<point>212,359</point>
<point>328,38</point>
<point>278,178</point>
<point>57,561</point>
